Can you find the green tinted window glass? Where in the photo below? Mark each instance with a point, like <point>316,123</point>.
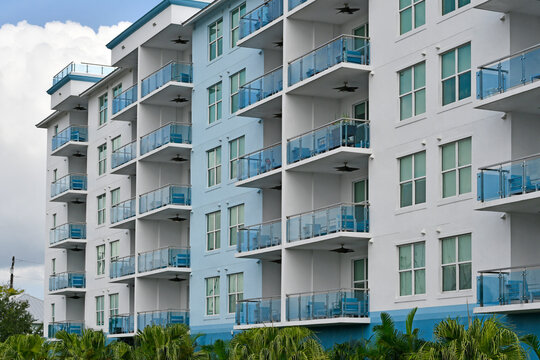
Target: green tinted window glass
<point>449,156</point>
<point>420,281</point>
<point>464,248</point>
<point>405,168</point>
<point>420,14</point>
<point>420,164</point>
<point>405,261</point>
<point>419,255</point>
<point>448,64</point>
<point>448,250</point>
<point>464,58</point>
<point>465,180</point>
<point>449,184</point>
<point>464,152</point>
<point>405,283</point>
<point>449,278</point>
<point>405,81</point>
<point>419,75</point>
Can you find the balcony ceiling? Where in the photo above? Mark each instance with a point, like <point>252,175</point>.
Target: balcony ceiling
<point>165,94</point>
<point>266,37</point>
<point>525,203</point>
<point>325,11</point>
<point>529,7</point>
<point>519,99</point>
<point>327,162</point>
<point>163,40</point>
<point>166,153</point>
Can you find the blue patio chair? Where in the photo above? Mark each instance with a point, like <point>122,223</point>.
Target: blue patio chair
<point>181,260</point>
<point>77,280</point>
<point>176,319</point>
<point>77,183</point>
<point>178,198</point>
<point>176,138</point>
<point>75,233</point>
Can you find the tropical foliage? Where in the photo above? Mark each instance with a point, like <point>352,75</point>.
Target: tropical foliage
<point>14,316</point>
<point>478,339</point>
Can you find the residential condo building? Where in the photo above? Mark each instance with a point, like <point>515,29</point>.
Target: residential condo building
<point>248,163</point>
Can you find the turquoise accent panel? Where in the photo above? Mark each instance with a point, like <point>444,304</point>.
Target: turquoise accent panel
<point>70,77</point>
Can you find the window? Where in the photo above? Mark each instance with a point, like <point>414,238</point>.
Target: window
<point>236,221</point>
<point>113,304</point>
<point>213,231</point>
<point>360,191</point>
<point>412,269</point>
<point>360,274</point>
<point>412,91</point>
<point>55,174</point>
<point>100,310</point>
<point>115,196</point>
<point>456,168</point>
<point>456,263</point>
<point>103,104</point>
<point>412,14</point>
<point>53,266</point>
<point>456,74</point>
<point>100,251</point>
<point>237,80</point>
<point>116,143</point>
<point>212,296</point>
<point>114,250</point>
<point>236,150</point>
<point>450,5</point>
<point>215,39</point>
<point>117,90</point>
<point>360,43</point>
<point>236,290</point>
<point>361,110</point>
<point>214,103</point>
<point>53,313</point>
<point>55,129</point>
<point>53,220</point>
<point>101,209</point>
<point>412,179</point>
<point>236,14</point>
<point>214,166</point>
<point>102,159</point>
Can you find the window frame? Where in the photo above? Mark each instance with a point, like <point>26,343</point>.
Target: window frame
<point>413,5</point>
<point>413,92</point>
<point>238,295</point>
<point>456,6</point>
<point>366,107</point>
<point>413,180</point>
<point>113,245</point>
<point>100,259</point>
<point>366,277</point>
<point>101,208</point>
<point>241,9</point>
<point>456,263</point>
<point>240,151</point>
<point>239,224</point>
<point>100,310</point>
<point>117,90</point>
<point>236,78</point>
<point>215,107</point>
<point>103,107</point>
<point>457,168</point>
<point>214,297</point>
<point>116,143</point>
<point>102,159</point>
<point>214,168</point>
<point>412,269</point>
<point>113,310</point>
<point>214,232</point>
<point>217,41</point>
<point>456,75</point>
<point>53,266</point>
<point>53,312</point>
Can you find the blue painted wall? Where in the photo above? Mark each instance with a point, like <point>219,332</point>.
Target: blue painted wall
<point>205,200</point>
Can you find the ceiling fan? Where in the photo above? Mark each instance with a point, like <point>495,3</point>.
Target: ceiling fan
<point>178,158</point>
<point>342,250</point>
<point>177,218</point>
<point>79,107</point>
<point>78,154</point>
<point>179,99</point>
<point>277,187</point>
<point>180,40</point>
<point>346,9</point>
<point>346,88</point>
<point>278,44</point>
<point>176,279</point>
<point>345,168</point>
<point>77,201</point>
<point>74,297</point>
<point>278,116</point>
<point>76,249</point>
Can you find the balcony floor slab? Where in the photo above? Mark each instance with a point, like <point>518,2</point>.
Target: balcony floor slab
<point>529,7</point>
<point>166,212</point>
<point>167,152</point>
<point>165,273</point>
<point>329,242</point>
<point>128,279</point>
<point>524,203</point>
<point>163,96</point>
<point>328,161</point>
<point>129,168</point>
<point>267,108</point>
<point>518,99</point>
<point>69,292</point>
<point>508,309</point>
<point>129,113</point>
<point>271,253</point>
<point>71,148</point>
<point>331,321</point>
<point>265,37</point>
<point>121,336</point>
<point>71,196</point>
<point>125,224</point>
<point>268,180</point>
<point>69,244</point>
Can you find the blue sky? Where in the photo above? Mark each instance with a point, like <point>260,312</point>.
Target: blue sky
<point>91,13</point>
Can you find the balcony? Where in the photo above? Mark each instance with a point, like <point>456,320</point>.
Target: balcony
<point>68,236</point>
<point>123,324</point>
<point>340,146</point>
<point>345,225</point>
<point>261,169</point>
<point>72,141</point>
<point>170,143</point>
<point>123,215</point>
<point>262,27</point>
<point>327,70</point>
<point>261,98</point>
<point>259,312</point>
<point>170,202</point>
<point>122,108</point>
<point>261,241</point>
<point>509,290</point>
<point>529,7</point>
<point>169,86</point>
<point>162,318</point>
<point>70,188</point>
<point>166,263</point>
<point>343,306</point>
<point>511,83</point>
<point>83,68</point>
<point>70,284</point>
<point>123,159</point>
<point>122,269</point>
<point>327,12</point>
<point>511,186</point>
<point>71,327</point>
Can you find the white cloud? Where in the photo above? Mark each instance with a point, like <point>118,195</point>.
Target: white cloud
<point>29,278</point>
<point>30,56</point>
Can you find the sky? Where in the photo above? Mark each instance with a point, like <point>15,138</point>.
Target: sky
<point>37,39</point>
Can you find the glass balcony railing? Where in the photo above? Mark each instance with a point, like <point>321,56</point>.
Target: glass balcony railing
<point>295,3</point>
<point>345,48</point>
<point>164,258</point>
<point>123,211</point>
<point>123,266</point>
<point>351,303</point>
<point>328,220</point>
<point>262,87</point>
<point>67,183</point>
<point>261,16</point>
<point>166,195</point>
<point>258,311</point>
<point>172,133</point>
<point>67,280</point>
<point>507,286</point>
<point>521,68</point>
<point>121,324</point>
<point>162,318</point>
<point>124,154</point>
<point>340,133</point>
<point>90,69</point>
<point>71,327</point>
<point>76,133</point>
<point>510,178</point>
<point>124,99</point>
<point>173,71</point>
<point>259,162</point>
<point>261,236</point>
<point>67,231</point>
